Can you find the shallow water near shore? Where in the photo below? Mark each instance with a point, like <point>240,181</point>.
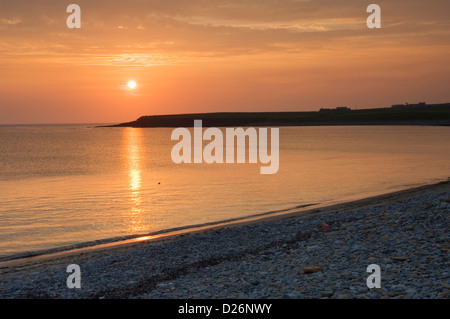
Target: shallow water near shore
<point>63,185</point>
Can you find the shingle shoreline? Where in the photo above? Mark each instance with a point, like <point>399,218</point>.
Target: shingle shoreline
<point>407,235</point>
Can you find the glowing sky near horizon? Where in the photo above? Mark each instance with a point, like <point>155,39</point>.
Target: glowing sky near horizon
<point>189,56</point>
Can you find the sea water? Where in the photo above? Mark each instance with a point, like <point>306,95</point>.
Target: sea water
<point>62,185</point>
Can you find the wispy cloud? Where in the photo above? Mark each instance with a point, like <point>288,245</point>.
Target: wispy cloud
<point>143,30</point>
<point>12,21</point>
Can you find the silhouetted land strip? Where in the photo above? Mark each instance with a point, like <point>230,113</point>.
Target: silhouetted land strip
<point>432,114</point>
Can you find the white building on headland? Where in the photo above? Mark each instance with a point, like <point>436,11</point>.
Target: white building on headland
<point>420,104</point>
<point>338,109</point>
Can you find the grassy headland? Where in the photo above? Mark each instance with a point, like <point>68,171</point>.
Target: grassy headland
<point>432,114</point>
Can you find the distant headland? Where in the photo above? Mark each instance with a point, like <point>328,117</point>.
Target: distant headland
<point>399,114</point>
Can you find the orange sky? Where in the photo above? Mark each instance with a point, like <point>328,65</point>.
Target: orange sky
<point>190,56</point>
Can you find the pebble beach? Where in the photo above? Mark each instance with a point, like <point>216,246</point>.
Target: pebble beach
<point>319,253</point>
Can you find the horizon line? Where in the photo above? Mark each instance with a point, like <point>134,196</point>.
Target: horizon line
<point>193,113</point>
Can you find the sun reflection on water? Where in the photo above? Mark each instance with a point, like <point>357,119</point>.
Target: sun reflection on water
<point>133,156</point>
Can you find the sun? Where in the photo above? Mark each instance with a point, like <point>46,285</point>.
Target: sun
<point>131,84</point>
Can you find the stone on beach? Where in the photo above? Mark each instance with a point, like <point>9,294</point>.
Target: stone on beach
<point>312,269</point>
<point>326,293</point>
<point>399,258</point>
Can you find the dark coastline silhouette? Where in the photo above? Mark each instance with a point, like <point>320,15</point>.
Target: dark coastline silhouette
<point>416,114</point>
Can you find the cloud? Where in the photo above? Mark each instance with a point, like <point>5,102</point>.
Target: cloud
<point>12,21</point>
<point>220,28</point>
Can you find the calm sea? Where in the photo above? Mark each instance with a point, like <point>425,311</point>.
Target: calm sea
<point>67,184</point>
